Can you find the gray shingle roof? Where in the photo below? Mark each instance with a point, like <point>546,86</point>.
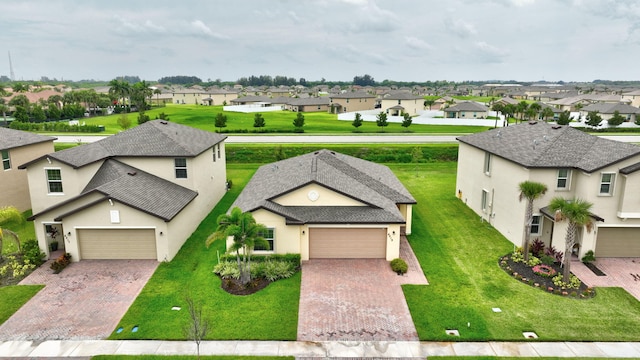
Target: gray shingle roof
<point>310,101</point>
<point>10,138</point>
<point>364,181</point>
<point>352,95</point>
<point>401,96</point>
<point>630,169</point>
<point>135,188</point>
<point>467,106</point>
<point>155,138</point>
<point>608,108</point>
<point>542,145</point>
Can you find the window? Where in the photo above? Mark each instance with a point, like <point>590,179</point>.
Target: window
<point>564,179</point>
<point>214,153</point>
<point>54,180</point>
<point>270,239</point>
<point>485,197</point>
<point>181,168</point>
<point>606,183</point>
<point>536,225</point>
<point>6,161</point>
<point>219,151</point>
<point>487,163</point>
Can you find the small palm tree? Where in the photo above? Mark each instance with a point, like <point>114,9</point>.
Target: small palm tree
<point>246,234</point>
<point>9,215</point>
<point>529,190</point>
<point>577,212</point>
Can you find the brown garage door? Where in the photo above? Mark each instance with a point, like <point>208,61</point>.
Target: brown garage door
<point>347,243</point>
<point>117,243</point>
<point>618,242</point>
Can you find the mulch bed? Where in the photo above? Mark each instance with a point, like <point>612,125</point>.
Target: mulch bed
<point>594,269</point>
<point>8,278</point>
<point>524,273</point>
<point>235,287</point>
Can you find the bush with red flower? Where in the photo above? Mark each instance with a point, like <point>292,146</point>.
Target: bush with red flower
<point>544,270</point>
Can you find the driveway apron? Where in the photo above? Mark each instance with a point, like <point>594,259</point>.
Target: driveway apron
<point>356,299</point>
<point>619,272</point>
<point>85,301</point>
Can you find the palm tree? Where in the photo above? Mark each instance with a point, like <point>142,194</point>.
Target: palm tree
<point>246,234</point>
<point>529,190</point>
<point>9,215</point>
<point>577,212</point>
<point>533,110</point>
<point>521,109</point>
<point>498,108</point>
<point>119,90</point>
<point>546,113</point>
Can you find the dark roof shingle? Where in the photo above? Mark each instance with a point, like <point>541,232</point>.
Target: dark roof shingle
<point>10,138</point>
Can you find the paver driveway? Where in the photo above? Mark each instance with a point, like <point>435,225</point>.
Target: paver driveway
<point>620,272</point>
<point>85,301</point>
<point>356,299</point>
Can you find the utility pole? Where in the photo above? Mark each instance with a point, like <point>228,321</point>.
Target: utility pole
<point>11,74</point>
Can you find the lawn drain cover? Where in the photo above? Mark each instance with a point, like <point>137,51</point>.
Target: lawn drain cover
<point>120,329</point>
<point>135,329</point>
<point>530,335</point>
<point>496,309</point>
<point>176,308</point>
<point>452,332</point>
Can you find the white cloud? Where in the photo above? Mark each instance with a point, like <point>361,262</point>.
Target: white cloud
<point>460,27</point>
<point>418,44</point>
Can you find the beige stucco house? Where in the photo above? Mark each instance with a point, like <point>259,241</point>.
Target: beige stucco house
<point>632,97</point>
<point>329,205</point>
<point>351,101</point>
<point>18,147</point>
<point>219,96</point>
<point>572,164</point>
<point>311,104</point>
<point>396,104</point>
<point>607,111</point>
<point>466,110</point>
<point>138,194</point>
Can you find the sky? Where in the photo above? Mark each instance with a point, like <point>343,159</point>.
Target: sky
<point>401,40</point>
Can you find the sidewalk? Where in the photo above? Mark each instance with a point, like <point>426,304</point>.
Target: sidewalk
<point>307,349</point>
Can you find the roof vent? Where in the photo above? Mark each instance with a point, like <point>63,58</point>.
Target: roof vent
<point>532,122</point>
<point>556,127</point>
<point>163,122</point>
<point>499,134</point>
<point>132,173</point>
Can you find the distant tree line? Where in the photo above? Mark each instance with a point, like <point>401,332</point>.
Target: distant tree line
<point>267,80</point>
<point>180,80</point>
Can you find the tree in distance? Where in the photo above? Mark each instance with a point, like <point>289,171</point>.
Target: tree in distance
<point>258,121</point>
<point>357,122</point>
<point>381,120</point>
<point>221,120</point>
<point>298,123</point>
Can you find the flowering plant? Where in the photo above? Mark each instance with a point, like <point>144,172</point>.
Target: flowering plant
<point>544,270</point>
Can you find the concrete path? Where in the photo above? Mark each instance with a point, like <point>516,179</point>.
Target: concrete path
<point>85,301</point>
<point>318,350</point>
<point>620,272</point>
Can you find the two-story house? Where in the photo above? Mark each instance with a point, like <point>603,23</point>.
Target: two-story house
<point>572,164</point>
<point>351,101</point>
<point>138,194</point>
<point>17,147</point>
<point>398,103</point>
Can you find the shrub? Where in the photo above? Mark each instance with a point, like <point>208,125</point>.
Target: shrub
<point>227,270</point>
<point>60,263</point>
<point>547,260</point>
<point>551,251</point>
<point>544,270</point>
<point>537,247</point>
<point>275,270</point>
<point>589,257</point>
<point>399,266</point>
<point>533,261</point>
<point>271,270</point>
<point>15,268</point>
<point>574,282</point>
<point>31,251</point>
<point>517,257</point>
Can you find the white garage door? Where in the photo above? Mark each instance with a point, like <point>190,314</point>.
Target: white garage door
<point>117,243</point>
<point>345,243</point>
<point>618,242</point>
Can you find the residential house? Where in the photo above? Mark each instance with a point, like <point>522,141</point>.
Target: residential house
<point>633,97</point>
<point>351,101</point>
<point>188,96</point>
<point>251,100</point>
<point>466,110</point>
<point>443,102</point>
<point>573,164</point>
<point>399,103</point>
<point>312,104</point>
<point>138,194</point>
<point>18,147</point>
<point>607,110</point>
<point>219,96</point>
<point>329,205</point>
<point>572,103</point>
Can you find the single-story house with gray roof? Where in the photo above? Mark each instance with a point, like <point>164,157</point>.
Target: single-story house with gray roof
<point>466,110</point>
<point>329,205</point>
<point>138,194</point>
<point>18,147</point>
<point>573,164</point>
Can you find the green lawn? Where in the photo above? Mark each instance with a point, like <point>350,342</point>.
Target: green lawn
<point>13,297</point>
<point>202,117</point>
<point>270,314</point>
<point>25,232</point>
<point>459,256</point>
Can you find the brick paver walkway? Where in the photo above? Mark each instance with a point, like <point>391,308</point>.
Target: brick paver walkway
<point>620,272</point>
<point>355,299</point>
<point>85,301</point>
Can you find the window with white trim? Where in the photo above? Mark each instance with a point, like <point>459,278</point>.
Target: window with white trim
<point>54,181</point>
<point>269,236</point>
<point>484,200</point>
<point>487,163</point>
<point>180,168</point>
<point>6,160</point>
<point>536,225</point>
<point>606,183</point>
<point>564,179</point>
